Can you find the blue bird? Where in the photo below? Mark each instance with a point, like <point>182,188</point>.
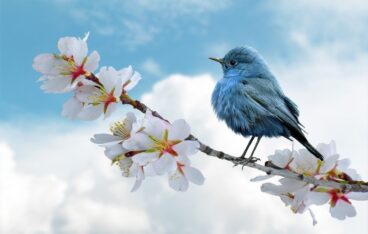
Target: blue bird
<point>249,99</point>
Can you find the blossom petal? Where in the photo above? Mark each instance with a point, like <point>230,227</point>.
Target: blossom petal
<point>193,175</point>
<point>317,198</point>
<point>179,130</point>
<point>291,185</point>
<point>342,209</point>
<point>47,64</point>
<point>133,81</point>
<point>327,150</point>
<point>87,93</point>
<point>329,163</point>
<point>138,141</point>
<point>186,148</point>
<point>183,160</point>
<point>144,158</point>
<point>92,62</point>
<point>104,138</point>
<point>110,109</point>
<point>91,112</point>
<point>149,170</point>
<point>136,170</point>
<point>359,196</point>
<point>313,217</point>
<point>108,77</point>
<point>178,182</point>
<point>59,84</point>
<point>343,164</point>
<point>131,118</point>
<point>304,162</point>
<point>71,46</point>
<point>154,126</point>
<point>353,174</point>
<point>71,108</point>
<point>165,163</point>
<point>125,165</point>
<point>126,73</point>
<point>281,158</point>
<point>111,151</point>
<point>136,185</point>
<point>272,189</point>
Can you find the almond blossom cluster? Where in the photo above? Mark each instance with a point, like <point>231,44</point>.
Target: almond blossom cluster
<point>71,70</point>
<point>300,195</point>
<point>152,147</point>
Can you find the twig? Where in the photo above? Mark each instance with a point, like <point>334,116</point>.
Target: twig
<point>351,186</point>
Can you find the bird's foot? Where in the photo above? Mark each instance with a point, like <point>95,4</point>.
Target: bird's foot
<point>244,161</point>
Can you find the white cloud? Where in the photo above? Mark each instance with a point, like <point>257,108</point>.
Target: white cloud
<point>339,6</point>
<point>139,22</point>
<point>27,201</point>
<point>182,7</point>
<point>138,33</point>
<point>151,67</point>
<point>325,22</point>
<point>62,183</point>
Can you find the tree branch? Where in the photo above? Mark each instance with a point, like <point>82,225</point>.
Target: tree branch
<point>346,186</point>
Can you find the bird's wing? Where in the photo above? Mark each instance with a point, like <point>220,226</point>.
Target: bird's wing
<point>263,93</point>
<point>293,108</point>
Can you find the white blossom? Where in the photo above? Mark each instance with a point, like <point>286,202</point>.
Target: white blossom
<point>120,131</point>
<point>180,178</point>
<point>61,72</point>
<point>152,147</point>
<point>300,195</point>
<point>161,143</point>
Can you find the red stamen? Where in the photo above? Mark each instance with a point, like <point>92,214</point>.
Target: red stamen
<point>336,195</point>
<point>180,167</point>
<point>109,99</point>
<point>79,70</point>
<point>170,150</point>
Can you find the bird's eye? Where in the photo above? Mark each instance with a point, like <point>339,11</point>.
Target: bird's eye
<point>232,62</point>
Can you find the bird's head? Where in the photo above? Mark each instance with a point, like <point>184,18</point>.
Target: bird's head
<point>242,61</point>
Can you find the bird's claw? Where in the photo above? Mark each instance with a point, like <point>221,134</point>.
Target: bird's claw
<point>244,161</point>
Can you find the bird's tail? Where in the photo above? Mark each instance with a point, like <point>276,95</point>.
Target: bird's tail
<point>311,149</point>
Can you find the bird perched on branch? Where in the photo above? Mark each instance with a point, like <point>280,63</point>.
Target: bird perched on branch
<point>249,99</point>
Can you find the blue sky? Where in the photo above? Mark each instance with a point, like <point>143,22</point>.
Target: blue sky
<point>317,49</point>
<point>177,43</point>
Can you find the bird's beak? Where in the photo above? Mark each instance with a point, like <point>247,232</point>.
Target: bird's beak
<point>219,60</point>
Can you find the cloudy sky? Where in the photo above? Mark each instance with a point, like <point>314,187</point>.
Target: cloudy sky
<point>53,180</point>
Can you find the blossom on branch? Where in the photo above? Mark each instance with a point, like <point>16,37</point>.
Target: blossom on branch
<point>300,195</point>
<point>152,147</point>
<point>62,72</point>
<point>91,100</point>
<point>103,98</point>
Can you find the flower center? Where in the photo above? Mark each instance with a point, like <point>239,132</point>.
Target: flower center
<point>77,71</point>
<point>336,195</point>
<point>109,98</point>
<point>121,128</point>
<point>71,68</point>
<point>164,145</point>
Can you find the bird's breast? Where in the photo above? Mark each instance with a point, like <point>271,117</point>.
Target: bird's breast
<point>232,104</point>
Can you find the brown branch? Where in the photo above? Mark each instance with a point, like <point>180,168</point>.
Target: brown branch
<point>92,77</point>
